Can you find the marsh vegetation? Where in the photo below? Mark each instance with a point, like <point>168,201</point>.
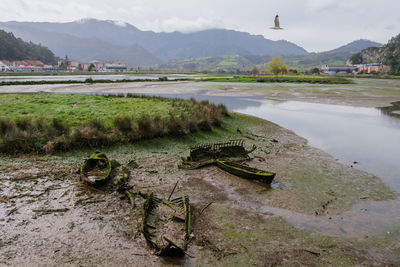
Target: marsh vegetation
<point>49,123</point>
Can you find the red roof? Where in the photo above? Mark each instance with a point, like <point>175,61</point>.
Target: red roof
<point>5,62</point>
<point>30,63</point>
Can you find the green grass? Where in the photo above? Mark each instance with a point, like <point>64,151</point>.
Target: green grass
<point>60,122</point>
<point>76,110</point>
<point>90,81</point>
<point>228,61</point>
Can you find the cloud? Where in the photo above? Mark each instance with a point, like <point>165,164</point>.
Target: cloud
<point>316,25</point>
<point>187,25</point>
<point>321,5</point>
<point>119,23</point>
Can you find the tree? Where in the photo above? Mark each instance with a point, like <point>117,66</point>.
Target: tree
<point>314,70</point>
<point>277,66</point>
<point>254,71</point>
<point>356,58</point>
<point>91,67</point>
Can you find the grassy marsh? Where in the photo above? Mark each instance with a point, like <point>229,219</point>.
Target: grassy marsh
<point>283,79</point>
<point>51,122</point>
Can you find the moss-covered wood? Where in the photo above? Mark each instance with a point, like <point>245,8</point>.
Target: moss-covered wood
<point>167,224</point>
<point>123,188</point>
<point>206,154</point>
<point>245,171</point>
<point>96,170</point>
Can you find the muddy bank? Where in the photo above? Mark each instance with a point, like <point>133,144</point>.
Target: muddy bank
<point>364,93</point>
<point>49,217</point>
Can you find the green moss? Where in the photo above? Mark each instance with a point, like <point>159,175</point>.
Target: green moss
<point>244,238</point>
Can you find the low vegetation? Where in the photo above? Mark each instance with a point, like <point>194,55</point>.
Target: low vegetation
<point>283,79</point>
<point>48,123</point>
<point>88,80</point>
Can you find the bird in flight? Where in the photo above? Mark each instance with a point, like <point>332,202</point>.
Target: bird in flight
<point>277,25</point>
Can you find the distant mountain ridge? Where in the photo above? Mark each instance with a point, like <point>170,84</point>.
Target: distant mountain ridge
<point>245,63</point>
<point>115,40</point>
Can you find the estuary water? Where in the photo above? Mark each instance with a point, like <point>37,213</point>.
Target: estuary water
<point>366,138</point>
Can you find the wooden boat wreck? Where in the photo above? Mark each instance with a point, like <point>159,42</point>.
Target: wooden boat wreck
<point>167,224</point>
<point>96,169</point>
<point>245,171</point>
<point>206,154</point>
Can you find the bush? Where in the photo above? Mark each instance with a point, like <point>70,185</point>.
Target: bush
<point>124,124</point>
<point>89,80</point>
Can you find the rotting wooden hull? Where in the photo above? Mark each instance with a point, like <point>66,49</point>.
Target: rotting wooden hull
<point>96,170</point>
<point>245,171</point>
<point>167,225</point>
<point>206,154</point>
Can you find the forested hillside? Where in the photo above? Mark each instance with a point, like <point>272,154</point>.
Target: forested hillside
<point>388,54</point>
<point>12,48</point>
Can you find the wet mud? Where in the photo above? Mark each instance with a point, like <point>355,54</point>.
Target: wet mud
<point>317,212</point>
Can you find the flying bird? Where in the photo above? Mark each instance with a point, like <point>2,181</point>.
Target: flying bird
<point>277,25</point>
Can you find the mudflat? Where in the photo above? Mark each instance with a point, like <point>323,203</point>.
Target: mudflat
<point>48,216</point>
<point>365,92</point>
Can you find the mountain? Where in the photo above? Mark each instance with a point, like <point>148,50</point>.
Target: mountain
<point>356,46</point>
<point>388,54</point>
<point>85,49</point>
<point>235,63</point>
<point>158,46</point>
<point>12,48</point>
<point>336,56</point>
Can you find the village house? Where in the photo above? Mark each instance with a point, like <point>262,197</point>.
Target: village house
<point>369,68</point>
<point>5,65</point>
<point>28,65</point>
<point>108,66</point>
<point>340,69</point>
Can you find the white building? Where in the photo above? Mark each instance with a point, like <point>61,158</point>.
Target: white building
<point>4,65</point>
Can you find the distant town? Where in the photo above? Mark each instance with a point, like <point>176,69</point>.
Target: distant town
<point>63,65</point>
<point>71,65</point>
<point>373,68</point>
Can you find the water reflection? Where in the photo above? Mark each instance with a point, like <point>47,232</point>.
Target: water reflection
<point>367,136</point>
<point>351,134</point>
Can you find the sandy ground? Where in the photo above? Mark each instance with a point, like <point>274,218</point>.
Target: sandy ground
<point>317,213</point>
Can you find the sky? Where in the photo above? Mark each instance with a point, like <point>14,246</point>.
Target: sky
<point>316,25</point>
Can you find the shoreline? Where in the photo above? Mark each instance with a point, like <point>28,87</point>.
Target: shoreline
<point>317,204</point>
<point>313,204</point>
<point>349,94</point>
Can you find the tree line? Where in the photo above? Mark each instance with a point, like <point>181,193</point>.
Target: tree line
<point>12,48</point>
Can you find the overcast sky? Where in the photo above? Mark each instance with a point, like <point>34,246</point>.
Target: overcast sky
<point>316,25</point>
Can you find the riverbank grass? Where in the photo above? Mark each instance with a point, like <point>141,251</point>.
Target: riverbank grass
<point>283,79</point>
<point>51,122</point>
